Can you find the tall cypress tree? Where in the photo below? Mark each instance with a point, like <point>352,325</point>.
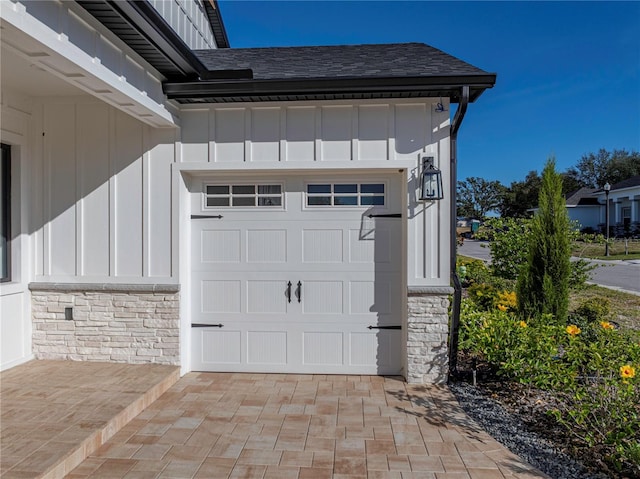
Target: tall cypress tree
<point>543,282</point>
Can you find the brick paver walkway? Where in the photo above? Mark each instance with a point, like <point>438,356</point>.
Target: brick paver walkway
<point>211,425</point>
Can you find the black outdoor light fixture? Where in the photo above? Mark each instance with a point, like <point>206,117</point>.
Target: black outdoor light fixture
<point>430,181</point>
<point>607,189</point>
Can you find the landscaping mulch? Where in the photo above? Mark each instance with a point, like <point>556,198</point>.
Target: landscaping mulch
<point>517,416</point>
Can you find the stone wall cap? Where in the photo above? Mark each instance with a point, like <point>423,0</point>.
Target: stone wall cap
<point>429,290</point>
<point>106,287</point>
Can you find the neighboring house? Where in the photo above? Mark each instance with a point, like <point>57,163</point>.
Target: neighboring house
<point>583,208</point>
<point>624,210</point>
<point>168,199</point>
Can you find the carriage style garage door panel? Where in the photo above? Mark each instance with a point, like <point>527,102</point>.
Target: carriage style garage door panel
<point>297,274</point>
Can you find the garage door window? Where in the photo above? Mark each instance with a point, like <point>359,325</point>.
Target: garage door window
<point>345,194</point>
<point>242,196</point>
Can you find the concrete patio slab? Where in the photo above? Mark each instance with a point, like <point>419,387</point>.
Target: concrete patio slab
<point>224,425</point>
<point>54,414</point>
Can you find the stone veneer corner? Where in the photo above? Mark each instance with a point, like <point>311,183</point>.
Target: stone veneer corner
<point>428,335</point>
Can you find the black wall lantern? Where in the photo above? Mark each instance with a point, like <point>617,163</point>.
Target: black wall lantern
<point>430,181</point>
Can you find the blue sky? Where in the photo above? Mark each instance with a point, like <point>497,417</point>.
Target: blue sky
<point>568,72</point>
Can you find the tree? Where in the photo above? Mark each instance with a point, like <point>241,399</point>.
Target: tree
<point>595,169</point>
<point>508,238</point>
<point>477,196</point>
<point>521,196</point>
<point>543,282</point>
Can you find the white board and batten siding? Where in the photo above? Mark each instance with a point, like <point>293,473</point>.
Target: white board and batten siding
<point>106,196</point>
<point>189,20</point>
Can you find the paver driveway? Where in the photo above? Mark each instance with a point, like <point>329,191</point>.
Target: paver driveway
<point>216,425</point>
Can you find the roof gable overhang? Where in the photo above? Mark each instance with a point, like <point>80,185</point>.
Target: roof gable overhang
<point>142,28</point>
<point>220,91</point>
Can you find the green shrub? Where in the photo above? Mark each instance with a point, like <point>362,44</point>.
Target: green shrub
<point>508,244</point>
<point>594,309</point>
<point>543,283</point>
<point>594,368</point>
<point>472,271</point>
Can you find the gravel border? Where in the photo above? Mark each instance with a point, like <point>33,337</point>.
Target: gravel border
<point>512,433</point>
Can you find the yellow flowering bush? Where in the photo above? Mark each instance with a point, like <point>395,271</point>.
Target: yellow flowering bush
<point>507,301</point>
<point>591,367</point>
<point>573,330</point>
<point>627,371</point>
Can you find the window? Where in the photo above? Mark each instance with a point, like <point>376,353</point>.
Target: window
<point>626,216</point>
<point>242,196</point>
<point>345,194</point>
<point>5,214</point>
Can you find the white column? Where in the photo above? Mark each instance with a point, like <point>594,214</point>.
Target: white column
<point>617,218</point>
<point>635,213</point>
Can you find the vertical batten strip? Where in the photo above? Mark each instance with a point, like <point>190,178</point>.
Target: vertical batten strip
<point>212,136</point>
<point>79,269</point>
<point>248,152</point>
<point>146,202</point>
<point>113,271</point>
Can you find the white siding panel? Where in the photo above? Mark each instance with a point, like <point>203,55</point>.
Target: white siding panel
<point>13,340</point>
<point>93,168</point>
<point>373,131</point>
<point>79,32</point>
<point>410,130</point>
<point>195,136</point>
<point>230,135</point>
<point>161,156</point>
<point>336,133</point>
<point>128,196</point>
<point>265,134</point>
<point>134,73</point>
<point>60,167</point>
<point>300,134</point>
<point>109,55</point>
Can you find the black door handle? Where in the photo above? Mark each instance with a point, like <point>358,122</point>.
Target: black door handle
<point>299,292</point>
<point>289,291</point>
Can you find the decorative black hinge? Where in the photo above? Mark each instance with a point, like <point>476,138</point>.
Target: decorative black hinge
<point>384,327</point>
<point>201,325</point>
<point>201,217</point>
<point>392,215</point>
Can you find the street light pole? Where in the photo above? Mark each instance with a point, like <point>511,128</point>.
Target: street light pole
<point>607,188</point>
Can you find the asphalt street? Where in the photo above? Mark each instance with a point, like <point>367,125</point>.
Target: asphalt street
<point>620,275</point>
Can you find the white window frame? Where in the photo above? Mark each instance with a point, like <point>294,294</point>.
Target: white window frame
<point>357,195</point>
<point>256,195</point>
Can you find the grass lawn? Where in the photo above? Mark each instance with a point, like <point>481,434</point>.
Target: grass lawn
<point>625,307</point>
<point>617,250</point>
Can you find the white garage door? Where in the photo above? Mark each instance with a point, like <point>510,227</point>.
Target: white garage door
<point>297,275</point>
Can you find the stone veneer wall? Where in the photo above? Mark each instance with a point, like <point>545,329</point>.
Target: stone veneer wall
<point>123,323</point>
<point>428,335</point>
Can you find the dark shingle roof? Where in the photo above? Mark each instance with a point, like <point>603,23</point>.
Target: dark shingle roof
<point>341,61</point>
<point>582,197</point>
<point>396,70</point>
<point>628,183</point>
